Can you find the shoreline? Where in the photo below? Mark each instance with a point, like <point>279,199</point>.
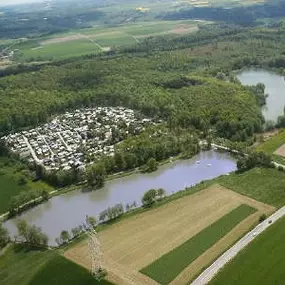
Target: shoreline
<point>61,191</point>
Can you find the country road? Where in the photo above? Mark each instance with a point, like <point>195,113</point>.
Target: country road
<point>213,269</point>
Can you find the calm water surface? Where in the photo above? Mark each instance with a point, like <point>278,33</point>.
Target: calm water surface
<point>274,87</point>
<point>69,210</point>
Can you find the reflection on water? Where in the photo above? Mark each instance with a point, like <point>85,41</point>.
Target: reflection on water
<point>274,87</point>
<point>69,210</point>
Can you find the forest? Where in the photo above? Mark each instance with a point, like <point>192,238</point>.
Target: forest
<point>187,81</point>
<point>19,25</point>
<point>180,79</point>
<point>242,15</point>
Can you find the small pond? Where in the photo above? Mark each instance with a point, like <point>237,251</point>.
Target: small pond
<point>274,87</point>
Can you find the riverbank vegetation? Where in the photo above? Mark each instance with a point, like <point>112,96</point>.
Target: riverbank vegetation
<point>4,236</point>
<point>273,146</point>
<point>252,160</point>
<point>143,151</point>
<point>18,184</point>
<point>254,183</point>
<point>30,236</point>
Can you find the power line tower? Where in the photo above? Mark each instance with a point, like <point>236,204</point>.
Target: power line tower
<point>97,267</point>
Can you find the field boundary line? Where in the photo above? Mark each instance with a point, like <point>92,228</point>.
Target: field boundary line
<point>90,40</point>
<point>207,275</point>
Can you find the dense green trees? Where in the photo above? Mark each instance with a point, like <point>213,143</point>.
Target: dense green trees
<point>4,236</point>
<point>13,26</point>
<point>151,165</point>
<point>258,90</point>
<point>96,175</point>
<point>254,159</point>
<point>111,213</point>
<point>240,15</point>
<point>31,236</point>
<point>91,222</point>
<point>151,196</point>
<point>158,85</point>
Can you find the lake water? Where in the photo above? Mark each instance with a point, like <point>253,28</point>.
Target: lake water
<point>274,87</point>
<point>69,210</point>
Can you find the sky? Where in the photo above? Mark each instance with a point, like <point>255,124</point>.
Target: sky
<point>13,2</point>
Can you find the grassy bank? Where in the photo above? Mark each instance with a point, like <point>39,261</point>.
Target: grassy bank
<point>14,179</point>
<point>17,266</point>
<point>262,262</point>
<point>273,143</point>
<point>166,268</point>
<point>264,185</point>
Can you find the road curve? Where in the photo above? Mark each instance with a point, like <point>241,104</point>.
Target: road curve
<point>213,269</point>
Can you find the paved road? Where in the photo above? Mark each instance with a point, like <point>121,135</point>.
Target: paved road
<point>212,270</point>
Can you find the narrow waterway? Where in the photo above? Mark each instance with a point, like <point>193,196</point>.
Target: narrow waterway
<point>274,87</point>
<point>69,210</point>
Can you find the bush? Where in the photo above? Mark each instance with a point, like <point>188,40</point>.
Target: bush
<point>31,235</point>
<point>255,159</point>
<point>149,197</point>
<point>280,168</point>
<point>111,213</point>
<point>262,218</point>
<point>4,236</point>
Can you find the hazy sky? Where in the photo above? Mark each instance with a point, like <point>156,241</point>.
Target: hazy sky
<point>10,2</point>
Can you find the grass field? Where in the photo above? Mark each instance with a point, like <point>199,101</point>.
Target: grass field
<point>262,262</point>
<point>265,185</point>
<point>62,50</point>
<point>137,241</point>
<point>20,267</point>
<point>60,271</point>
<point>99,38</point>
<point>9,186</point>
<point>167,267</point>
<point>271,145</point>
<point>17,267</point>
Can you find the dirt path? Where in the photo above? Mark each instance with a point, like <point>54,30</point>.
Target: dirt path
<point>280,151</point>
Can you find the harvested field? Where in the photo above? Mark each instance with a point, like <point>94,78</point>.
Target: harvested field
<point>134,243</point>
<point>181,257</point>
<point>58,40</point>
<point>183,29</point>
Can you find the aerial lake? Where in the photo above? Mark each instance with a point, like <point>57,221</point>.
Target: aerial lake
<point>69,210</point>
<point>274,87</point>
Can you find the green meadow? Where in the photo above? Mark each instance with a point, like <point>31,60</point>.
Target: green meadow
<point>261,184</point>
<point>21,267</point>
<point>262,262</point>
<point>10,175</point>
<point>97,39</point>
